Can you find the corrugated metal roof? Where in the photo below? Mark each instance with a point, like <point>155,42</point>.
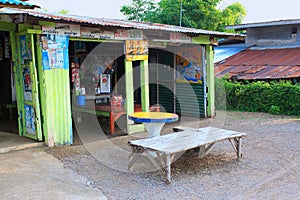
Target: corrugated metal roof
<point>264,24</point>
<point>17,4</point>
<point>223,52</point>
<point>113,22</point>
<point>261,64</point>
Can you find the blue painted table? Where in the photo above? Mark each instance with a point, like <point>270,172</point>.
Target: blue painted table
<point>154,121</point>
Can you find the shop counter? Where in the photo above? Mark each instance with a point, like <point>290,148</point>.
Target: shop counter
<point>114,112</point>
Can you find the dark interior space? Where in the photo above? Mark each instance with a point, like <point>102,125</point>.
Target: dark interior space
<point>8,110</point>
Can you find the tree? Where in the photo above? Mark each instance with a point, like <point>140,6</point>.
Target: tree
<point>201,14</point>
<point>140,10</point>
<point>233,14</point>
<point>63,11</point>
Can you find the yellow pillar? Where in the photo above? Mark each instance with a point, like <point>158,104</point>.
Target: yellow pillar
<point>210,78</point>
<point>144,77</point>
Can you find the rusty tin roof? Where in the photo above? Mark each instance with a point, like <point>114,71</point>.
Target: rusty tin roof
<point>114,22</point>
<point>261,64</point>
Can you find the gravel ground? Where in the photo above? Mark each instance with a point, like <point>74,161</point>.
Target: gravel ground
<point>269,168</point>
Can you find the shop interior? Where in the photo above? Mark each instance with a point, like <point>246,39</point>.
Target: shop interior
<point>94,70</point>
<point>97,74</point>
<point>91,61</point>
<point>8,107</point>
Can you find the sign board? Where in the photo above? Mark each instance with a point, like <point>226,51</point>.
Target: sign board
<point>136,50</point>
<point>180,37</point>
<point>91,32</point>
<point>97,33</point>
<point>62,29</point>
<point>129,35</point>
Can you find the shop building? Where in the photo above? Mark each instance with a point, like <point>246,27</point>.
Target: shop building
<point>60,64</point>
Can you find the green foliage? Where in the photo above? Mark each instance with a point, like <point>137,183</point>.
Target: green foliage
<point>233,14</point>
<point>274,110</point>
<point>274,97</point>
<point>201,14</point>
<point>140,10</point>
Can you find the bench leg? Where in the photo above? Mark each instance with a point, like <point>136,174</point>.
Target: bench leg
<point>237,146</point>
<point>168,167</point>
<point>165,165</point>
<point>135,154</point>
<point>165,161</point>
<point>203,150</point>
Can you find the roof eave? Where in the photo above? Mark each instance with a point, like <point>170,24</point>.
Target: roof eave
<point>263,24</point>
<point>116,23</point>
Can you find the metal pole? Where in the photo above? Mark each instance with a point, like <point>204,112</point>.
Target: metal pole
<point>180,13</point>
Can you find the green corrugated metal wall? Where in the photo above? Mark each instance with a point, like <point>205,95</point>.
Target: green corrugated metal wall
<point>58,113</point>
<point>189,96</point>
<point>190,99</point>
<point>56,103</point>
<point>166,98</point>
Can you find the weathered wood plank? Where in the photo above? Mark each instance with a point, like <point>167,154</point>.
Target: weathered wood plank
<point>185,140</point>
<point>167,146</point>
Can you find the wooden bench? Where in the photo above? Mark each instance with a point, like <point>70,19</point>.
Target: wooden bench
<point>11,108</point>
<point>165,147</point>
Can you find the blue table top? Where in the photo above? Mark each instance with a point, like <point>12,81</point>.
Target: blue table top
<point>153,117</point>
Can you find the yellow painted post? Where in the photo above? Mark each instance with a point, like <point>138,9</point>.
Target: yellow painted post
<point>129,87</point>
<point>129,105</point>
<point>210,77</point>
<point>144,77</point>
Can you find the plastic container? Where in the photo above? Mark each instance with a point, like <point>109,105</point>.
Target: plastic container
<point>81,100</point>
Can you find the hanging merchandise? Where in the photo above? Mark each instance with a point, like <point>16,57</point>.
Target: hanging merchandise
<point>105,83</point>
<point>6,48</point>
<point>1,50</point>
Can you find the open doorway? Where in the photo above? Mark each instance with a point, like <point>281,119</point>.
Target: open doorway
<point>95,70</point>
<point>8,107</point>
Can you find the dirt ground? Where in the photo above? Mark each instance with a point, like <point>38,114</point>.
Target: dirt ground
<point>269,168</point>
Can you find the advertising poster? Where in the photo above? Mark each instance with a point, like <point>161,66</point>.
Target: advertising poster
<point>29,118</point>
<point>27,85</point>
<point>189,65</point>
<point>136,50</point>
<point>25,49</point>
<point>55,52</point>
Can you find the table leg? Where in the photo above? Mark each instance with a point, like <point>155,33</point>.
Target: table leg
<point>113,117</point>
<point>111,123</point>
<point>154,129</point>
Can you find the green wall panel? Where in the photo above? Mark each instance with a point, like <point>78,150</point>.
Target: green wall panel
<point>166,96</point>
<point>190,99</point>
<point>57,116</point>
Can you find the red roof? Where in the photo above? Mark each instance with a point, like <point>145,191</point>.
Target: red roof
<point>261,64</point>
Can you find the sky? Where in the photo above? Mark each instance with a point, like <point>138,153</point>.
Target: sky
<point>257,10</point>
